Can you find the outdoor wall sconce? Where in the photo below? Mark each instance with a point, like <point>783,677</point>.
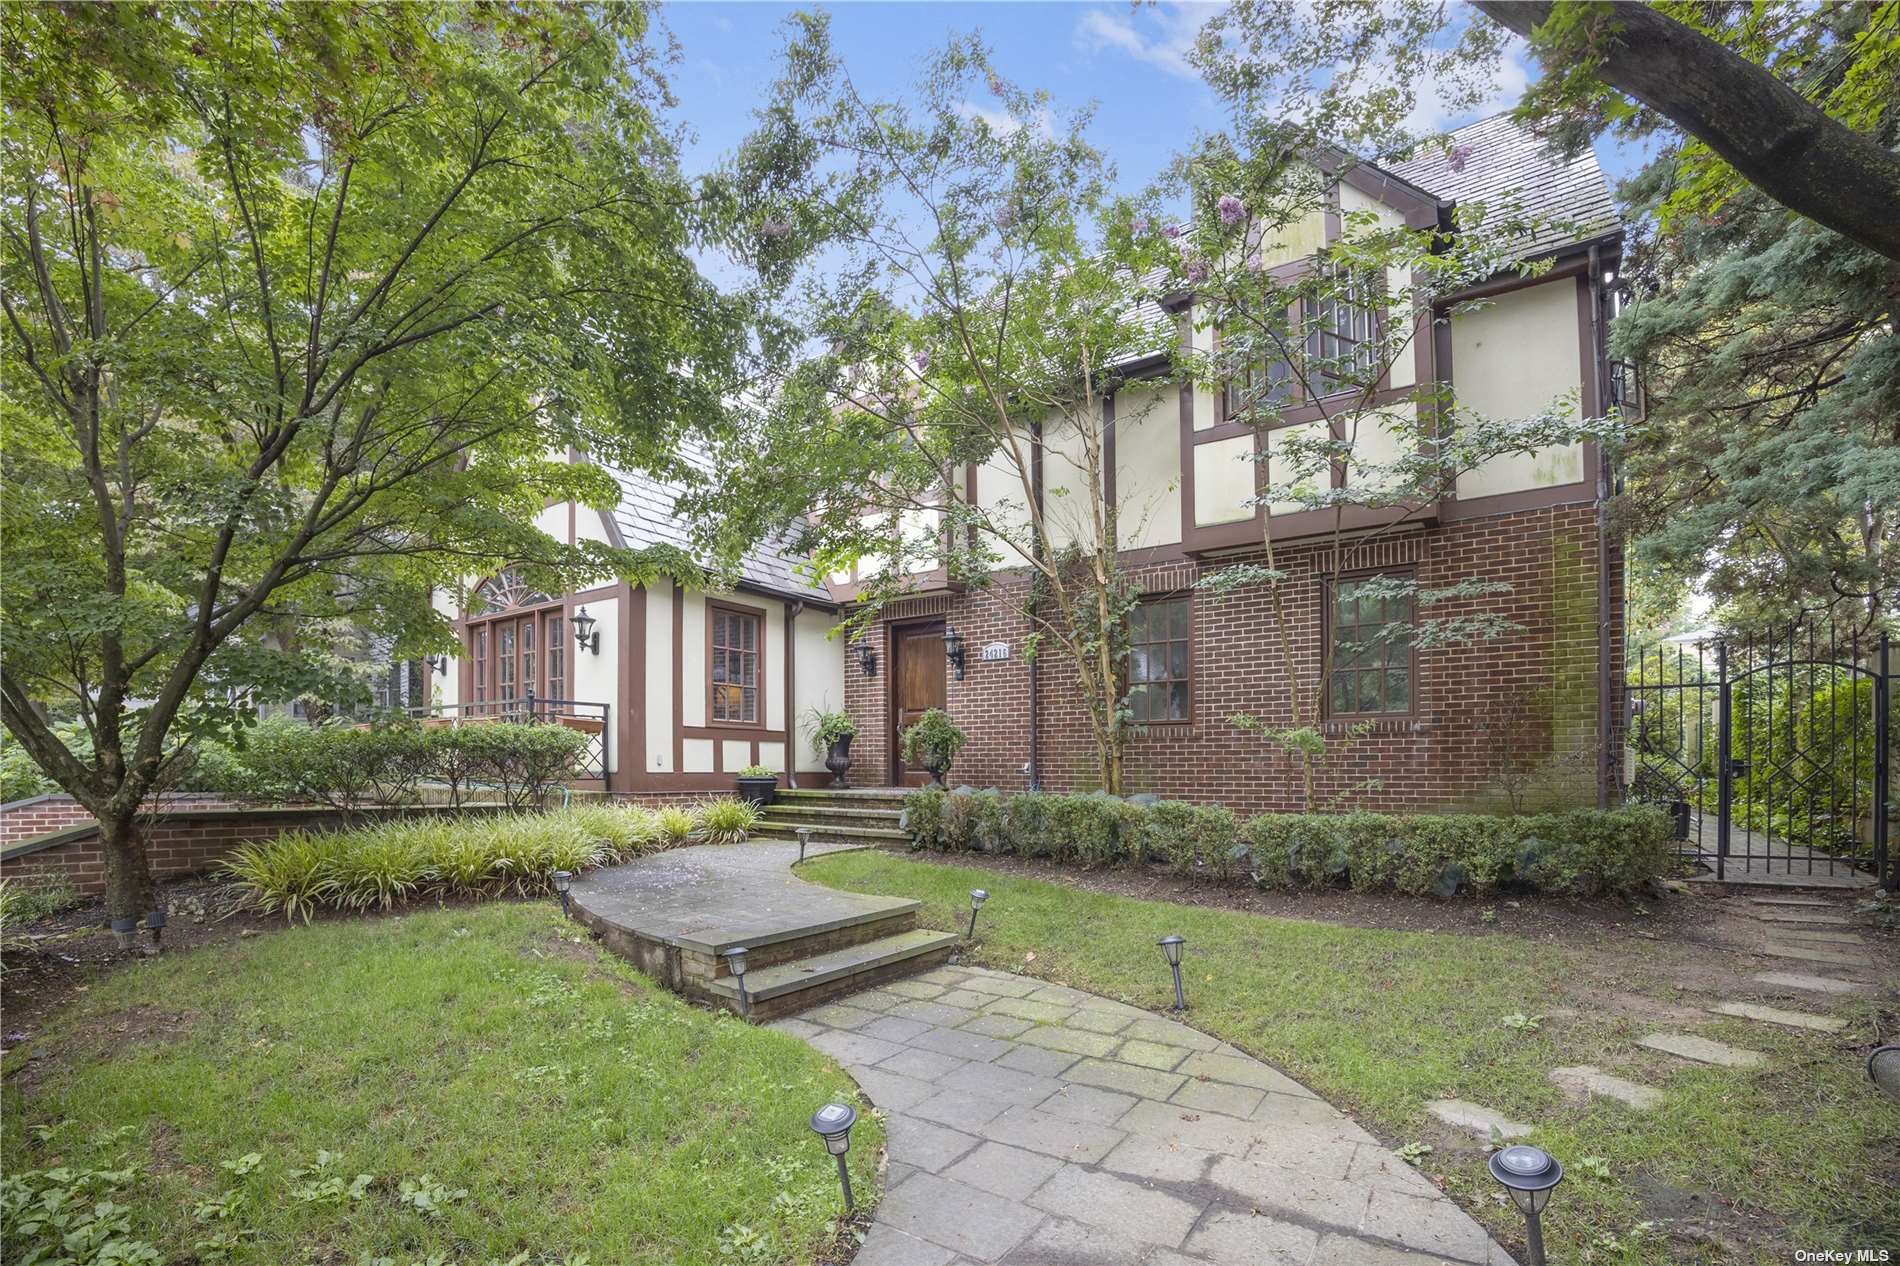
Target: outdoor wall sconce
<point>563,880</point>
<point>1172,947</point>
<point>953,648</point>
<point>439,664</point>
<point>1530,1174</point>
<point>584,635</point>
<point>833,1124</point>
<point>867,658</point>
<point>977,898</point>
<point>735,963</point>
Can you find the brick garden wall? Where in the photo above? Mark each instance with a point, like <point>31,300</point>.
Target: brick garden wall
<point>1444,754</point>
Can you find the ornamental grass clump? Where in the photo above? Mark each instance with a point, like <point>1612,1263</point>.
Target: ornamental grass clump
<point>727,821</point>
<point>676,826</point>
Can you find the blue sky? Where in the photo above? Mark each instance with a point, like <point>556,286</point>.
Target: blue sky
<point>1128,62</point>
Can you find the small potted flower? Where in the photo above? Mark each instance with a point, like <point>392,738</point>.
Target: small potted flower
<point>933,742</point>
<point>831,734</point>
<point>757,785</point>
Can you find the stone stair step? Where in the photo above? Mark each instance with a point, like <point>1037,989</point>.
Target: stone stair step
<point>1824,938</point>
<point>1809,954</point>
<point>856,798</point>
<point>1476,1119</point>
<point>1813,984</point>
<point>1702,1050</point>
<point>1792,901</point>
<point>818,809</point>
<point>793,986</point>
<point>1794,914</point>
<point>1774,1015</point>
<point>825,832</point>
<point>1589,1080</point>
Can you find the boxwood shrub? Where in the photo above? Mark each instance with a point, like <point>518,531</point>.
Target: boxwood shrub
<point>1582,852</point>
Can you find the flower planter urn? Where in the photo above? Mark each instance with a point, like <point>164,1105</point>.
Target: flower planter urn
<point>937,764</point>
<point>838,761</point>
<point>758,791</point>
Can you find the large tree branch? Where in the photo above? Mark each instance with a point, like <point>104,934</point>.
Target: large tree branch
<point>1779,141</point>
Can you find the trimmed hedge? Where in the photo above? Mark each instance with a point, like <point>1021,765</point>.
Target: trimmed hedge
<point>1582,852</point>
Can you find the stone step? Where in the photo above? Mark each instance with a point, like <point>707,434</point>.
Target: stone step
<point>1701,1049</point>
<point>1476,1119</point>
<point>1774,1015</point>
<point>1810,954</point>
<point>1813,984</point>
<point>794,986</point>
<point>1792,901</point>
<point>829,833</point>
<point>1589,1080</point>
<point>1823,938</point>
<point>855,798</point>
<point>887,819</point>
<point>1794,914</point>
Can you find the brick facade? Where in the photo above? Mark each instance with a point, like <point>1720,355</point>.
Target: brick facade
<point>1445,753</point>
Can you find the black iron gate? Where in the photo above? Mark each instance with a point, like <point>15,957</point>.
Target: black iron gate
<point>1775,755</point>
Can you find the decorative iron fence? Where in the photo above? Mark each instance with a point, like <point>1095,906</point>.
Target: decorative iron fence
<point>1774,753</point>
<point>592,719</point>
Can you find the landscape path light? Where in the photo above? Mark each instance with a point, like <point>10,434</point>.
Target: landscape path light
<point>1172,947</point>
<point>804,839</point>
<point>155,924</point>
<point>977,898</point>
<point>1530,1174</point>
<point>563,880</point>
<point>833,1124</point>
<point>735,963</point>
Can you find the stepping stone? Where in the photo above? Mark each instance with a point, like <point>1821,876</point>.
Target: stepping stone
<point>1702,1050</point>
<point>1594,1081</point>
<point>1774,1015</point>
<point>1795,915</point>
<point>1824,938</point>
<point>1476,1119</point>
<point>1808,954</point>
<point>1814,984</point>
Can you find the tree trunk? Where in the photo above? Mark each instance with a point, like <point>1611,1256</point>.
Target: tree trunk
<point>129,891</point>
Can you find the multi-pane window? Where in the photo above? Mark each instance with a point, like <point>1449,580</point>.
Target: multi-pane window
<point>1159,660</point>
<point>482,665</point>
<point>734,666</point>
<point>1340,330</point>
<point>1372,650</point>
<point>557,657</point>
<point>505,687</point>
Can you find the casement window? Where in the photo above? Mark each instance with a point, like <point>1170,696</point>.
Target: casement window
<point>557,655</point>
<point>732,665</point>
<point>1335,338</point>
<point>1370,639</point>
<point>517,646</point>
<point>1160,661</point>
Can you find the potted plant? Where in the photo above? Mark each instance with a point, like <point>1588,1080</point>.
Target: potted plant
<point>831,734</point>
<point>933,742</point>
<point>757,785</point>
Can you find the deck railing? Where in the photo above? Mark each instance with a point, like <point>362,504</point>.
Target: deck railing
<point>591,719</point>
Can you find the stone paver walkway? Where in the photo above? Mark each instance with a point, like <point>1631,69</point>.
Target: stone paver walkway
<point>1036,1125</point>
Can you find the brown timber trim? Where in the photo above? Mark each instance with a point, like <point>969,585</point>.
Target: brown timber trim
<point>792,611</point>
<point>631,758</point>
<point>679,679</point>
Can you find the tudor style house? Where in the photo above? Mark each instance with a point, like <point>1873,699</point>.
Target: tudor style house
<point>689,687</point>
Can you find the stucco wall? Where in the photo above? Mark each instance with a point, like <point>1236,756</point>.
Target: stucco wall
<point>1511,360</point>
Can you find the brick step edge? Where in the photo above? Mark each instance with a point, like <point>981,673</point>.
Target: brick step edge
<point>800,975</point>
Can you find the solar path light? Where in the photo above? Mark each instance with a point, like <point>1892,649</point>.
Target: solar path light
<point>563,880</point>
<point>1530,1174</point>
<point>833,1124</point>
<point>804,839</point>
<point>977,898</point>
<point>1172,947</point>
<point>735,963</point>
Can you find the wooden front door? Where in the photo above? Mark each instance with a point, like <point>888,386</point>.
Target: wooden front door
<point>917,685</point>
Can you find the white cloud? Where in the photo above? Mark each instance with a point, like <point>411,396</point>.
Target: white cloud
<point>1003,123</point>
<point>1160,36</point>
<point>1432,112</point>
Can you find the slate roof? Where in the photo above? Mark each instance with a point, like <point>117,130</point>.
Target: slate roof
<point>648,514</point>
<point>1502,160</point>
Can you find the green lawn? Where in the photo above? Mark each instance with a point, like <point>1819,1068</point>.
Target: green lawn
<point>1380,1022</point>
<point>584,1111</point>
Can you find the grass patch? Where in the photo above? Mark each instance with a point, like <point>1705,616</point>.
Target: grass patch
<point>1379,1022</point>
<point>506,1088</point>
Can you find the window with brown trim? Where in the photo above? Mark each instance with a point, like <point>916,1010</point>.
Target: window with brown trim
<point>1334,338</point>
<point>1371,641</point>
<point>733,666</point>
<point>1160,661</point>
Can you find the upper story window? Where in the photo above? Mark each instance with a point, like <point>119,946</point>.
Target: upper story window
<point>1334,338</point>
<point>1371,643</point>
<point>504,590</point>
<point>1160,661</point>
<point>733,666</point>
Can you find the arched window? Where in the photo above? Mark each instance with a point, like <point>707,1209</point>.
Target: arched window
<point>517,643</point>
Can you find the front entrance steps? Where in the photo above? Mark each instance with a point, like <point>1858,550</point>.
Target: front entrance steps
<point>675,915</point>
<point>870,816</point>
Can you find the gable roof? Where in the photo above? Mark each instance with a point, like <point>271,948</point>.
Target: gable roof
<point>648,514</point>
<point>1500,159</point>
